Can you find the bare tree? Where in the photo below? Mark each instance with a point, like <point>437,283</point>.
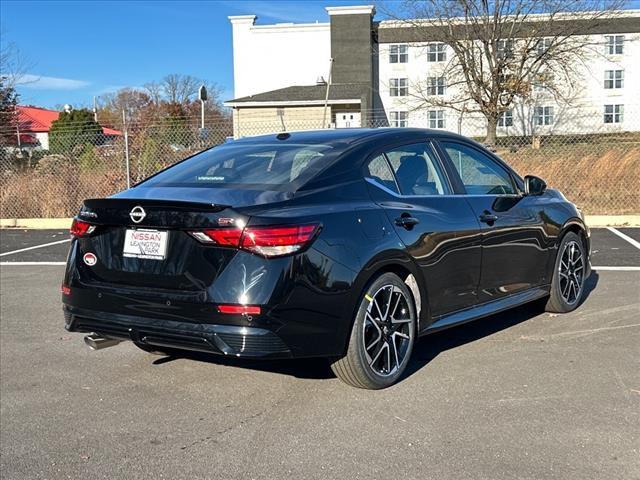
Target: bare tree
<point>503,50</point>
<point>130,100</point>
<point>13,64</point>
<point>178,89</point>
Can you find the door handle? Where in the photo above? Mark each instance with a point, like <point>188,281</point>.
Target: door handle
<point>406,221</point>
<point>487,217</point>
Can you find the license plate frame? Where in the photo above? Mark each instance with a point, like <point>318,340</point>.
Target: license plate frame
<point>145,243</point>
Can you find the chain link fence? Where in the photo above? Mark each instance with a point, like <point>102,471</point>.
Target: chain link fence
<point>48,175</point>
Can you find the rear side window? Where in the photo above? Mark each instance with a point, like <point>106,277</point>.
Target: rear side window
<point>480,174</point>
<point>272,167</point>
<point>378,170</point>
<point>417,170</point>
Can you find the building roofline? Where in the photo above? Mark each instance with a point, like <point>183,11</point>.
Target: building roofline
<point>535,17</point>
<point>352,10</point>
<point>291,103</point>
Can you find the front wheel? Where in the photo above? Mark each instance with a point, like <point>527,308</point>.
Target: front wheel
<point>567,284</point>
<point>382,336</point>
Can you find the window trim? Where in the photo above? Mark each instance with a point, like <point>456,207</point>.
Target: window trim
<point>398,53</point>
<point>439,162</point>
<point>518,186</point>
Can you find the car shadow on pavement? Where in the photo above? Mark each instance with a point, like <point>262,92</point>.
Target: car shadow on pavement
<point>426,349</point>
<point>430,346</point>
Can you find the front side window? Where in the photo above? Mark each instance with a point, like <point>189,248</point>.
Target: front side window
<point>436,118</point>
<point>399,119</point>
<point>480,174</point>
<point>613,113</point>
<point>543,116</point>
<point>436,85</point>
<point>436,52</point>
<point>417,170</point>
<point>399,53</point>
<point>614,44</point>
<point>399,87</point>
<point>506,119</point>
<point>379,171</point>
<point>613,79</point>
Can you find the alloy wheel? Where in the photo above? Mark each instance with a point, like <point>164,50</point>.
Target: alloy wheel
<point>571,272</point>
<point>388,330</point>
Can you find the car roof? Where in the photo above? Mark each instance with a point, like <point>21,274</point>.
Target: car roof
<point>343,135</point>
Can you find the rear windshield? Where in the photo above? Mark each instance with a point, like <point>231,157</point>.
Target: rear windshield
<point>270,167</point>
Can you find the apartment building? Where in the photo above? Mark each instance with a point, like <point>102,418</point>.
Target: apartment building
<point>354,71</point>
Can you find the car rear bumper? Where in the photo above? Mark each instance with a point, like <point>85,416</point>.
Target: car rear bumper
<point>237,341</point>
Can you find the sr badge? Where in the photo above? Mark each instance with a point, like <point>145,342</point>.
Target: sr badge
<point>90,259</point>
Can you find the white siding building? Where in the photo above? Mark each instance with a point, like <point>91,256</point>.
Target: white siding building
<point>376,73</point>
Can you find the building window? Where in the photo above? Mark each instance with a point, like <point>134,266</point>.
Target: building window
<point>398,53</point>
<point>399,119</point>
<point>542,82</point>
<point>543,116</point>
<point>436,52</point>
<point>614,44</point>
<point>613,79</point>
<point>399,87</point>
<point>543,45</point>
<point>436,85</point>
<point>504,49</point>
<point>506,119</point>
<point>436,118</point>
<point>613,113</point>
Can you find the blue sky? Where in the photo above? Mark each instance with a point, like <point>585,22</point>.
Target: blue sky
<point>81,49</point>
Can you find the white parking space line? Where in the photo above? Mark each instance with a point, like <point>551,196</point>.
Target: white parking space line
<point>34,247</point>
<point>633,242</point>
<point>30,264</point>
<point>617,269</point>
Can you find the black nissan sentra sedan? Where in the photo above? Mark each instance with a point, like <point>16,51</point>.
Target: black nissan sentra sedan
<point>346,244</point>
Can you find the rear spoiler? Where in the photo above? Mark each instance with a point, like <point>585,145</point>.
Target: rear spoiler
<point>129,203</point>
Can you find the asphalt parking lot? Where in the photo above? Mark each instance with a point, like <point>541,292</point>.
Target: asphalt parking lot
<point>523,394</point>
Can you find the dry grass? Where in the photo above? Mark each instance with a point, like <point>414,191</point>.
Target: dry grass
<point>34,195</point>
<point>599,177</point>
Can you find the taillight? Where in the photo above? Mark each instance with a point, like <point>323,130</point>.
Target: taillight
<point>275,241</point>
<point>271,241</point>
<point>80,228</point>
<point>229,237</point>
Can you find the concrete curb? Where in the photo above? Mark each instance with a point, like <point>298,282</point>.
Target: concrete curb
<point>36,223</point>
<point>612,220</point>
<point>64,223</point>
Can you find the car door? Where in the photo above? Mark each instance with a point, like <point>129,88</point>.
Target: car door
<point>514,248</point>
<point>438,229</point>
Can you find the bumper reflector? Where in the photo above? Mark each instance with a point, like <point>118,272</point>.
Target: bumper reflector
<point>239,309</point>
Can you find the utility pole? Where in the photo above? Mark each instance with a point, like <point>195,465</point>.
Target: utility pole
<point>126,148</point>
<point>202,95</point>
<point>326,97</point>
<point>95,110</point>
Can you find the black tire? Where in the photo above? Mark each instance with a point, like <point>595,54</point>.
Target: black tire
<point>372,361</point>
<point>570,268</point>
<point>153,350</point>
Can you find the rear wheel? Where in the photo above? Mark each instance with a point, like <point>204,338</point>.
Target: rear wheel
<point>567,284</point>
<point>382,336</point>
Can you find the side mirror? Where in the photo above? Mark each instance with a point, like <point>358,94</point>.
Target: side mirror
<point>534,185</point>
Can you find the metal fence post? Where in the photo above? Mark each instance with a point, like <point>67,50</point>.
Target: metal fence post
<point>126,148</point>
